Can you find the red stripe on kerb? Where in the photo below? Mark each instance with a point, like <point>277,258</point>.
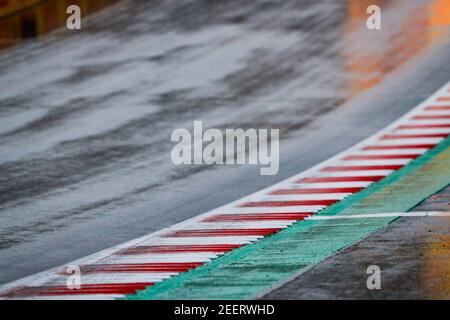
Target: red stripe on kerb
<point>424,126</point>
<point>340,179</point>
<point>402,146</point>
<point>413,136</point>
<point>107,288</point>
<point>222,232</point>
<point>443,99</point>
<point>361,168</point>
<point>315,191</point>
<point>287,203</point>
<point>179,249</point>
<point>140,267</point>
<point>431,117</point>
<point>257,217</point>
<point>437,108</point>
<point>382,157</point>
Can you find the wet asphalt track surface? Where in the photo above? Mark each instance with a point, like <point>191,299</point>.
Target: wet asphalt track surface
<point>86,119</point>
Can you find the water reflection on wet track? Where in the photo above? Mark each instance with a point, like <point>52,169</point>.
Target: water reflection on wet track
<point>85,119</point>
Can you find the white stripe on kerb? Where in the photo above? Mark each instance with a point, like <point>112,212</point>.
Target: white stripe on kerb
<point>429,121</point>
<point>314,196</point>
<point>241,224</point>
<point>384,162</point>
<point>200,240</point>
<point>438,112</point>
<point>366,173</point>
<point>439,103</point>
<point>394,142</point>
<point>161,258</point>
<point>423,131</point>
<point>119,278</point>
<point>290,209</point>
<point>392,151</point>
<point>322,185</point>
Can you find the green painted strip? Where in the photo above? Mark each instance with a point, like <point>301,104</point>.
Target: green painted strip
<point>252,269</point>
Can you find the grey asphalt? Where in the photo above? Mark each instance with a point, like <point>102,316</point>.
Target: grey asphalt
<point>86,118</point>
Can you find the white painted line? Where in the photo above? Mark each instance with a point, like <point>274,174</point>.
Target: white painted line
<point>436,102</point>
<point>428,121</point>
<point>241,225</point>
<point>362,173</point>
<point>379,215</point>
<point>113,278</point>
<point>440,112</point>
<point>384,162</point>
<point>326,185</point>
<point>392,151</point>
<point>388,142</point>
<point>199,240</point>
<point>423,131</point>
<point>290,209</point>
<point>314,196</point>
<point>161,258</point>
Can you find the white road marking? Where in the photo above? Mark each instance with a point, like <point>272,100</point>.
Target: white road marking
<point>314,196</point>
<point>199,240</point>
<point>361,173</point>
<point>290,209</point>
<point>379,215</point>
<point>383,162</point>
<point>423,131</point>
<point>392,151</point>
<point>326,185</point>
<point>393,142</point>
<point>111,278</point>
<point>161,258</point>
<point>242,225</point>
